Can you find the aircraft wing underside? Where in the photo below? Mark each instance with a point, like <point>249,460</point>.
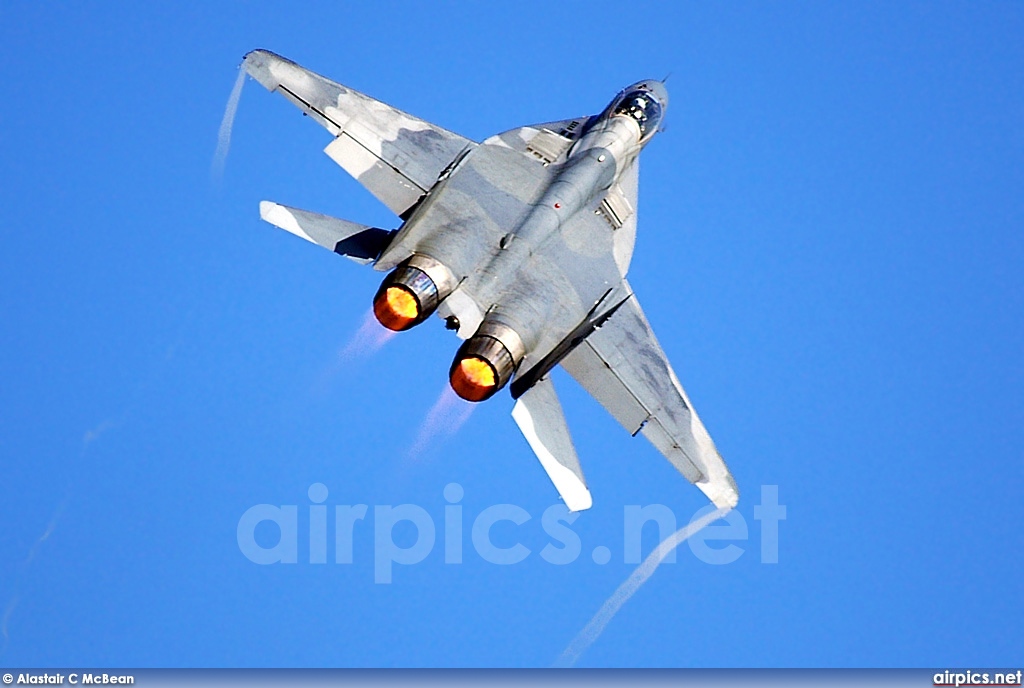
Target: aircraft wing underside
<point>396,156</point>
<point>622,365</point>
<point>562,279</point>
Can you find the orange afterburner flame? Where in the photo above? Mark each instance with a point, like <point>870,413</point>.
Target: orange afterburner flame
<point>396,309</point>
<point>473,379</point>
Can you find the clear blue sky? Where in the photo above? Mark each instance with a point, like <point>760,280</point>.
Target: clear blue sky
<point>830,250</point>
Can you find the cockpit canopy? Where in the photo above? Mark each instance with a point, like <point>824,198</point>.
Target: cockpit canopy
<point>643,108</point>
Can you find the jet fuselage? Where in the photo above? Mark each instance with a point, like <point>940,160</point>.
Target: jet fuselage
<point>528,282</point>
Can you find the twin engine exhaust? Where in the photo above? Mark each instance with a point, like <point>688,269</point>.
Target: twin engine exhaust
<point>412,292</point>
<point>485,362</point>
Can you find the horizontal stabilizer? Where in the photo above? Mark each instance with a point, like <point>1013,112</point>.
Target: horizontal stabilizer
<point>354,241</point>
<point>539,415</point>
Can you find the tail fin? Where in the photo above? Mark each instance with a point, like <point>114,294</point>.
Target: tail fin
<point>539,415</point>
<point>356,242</point>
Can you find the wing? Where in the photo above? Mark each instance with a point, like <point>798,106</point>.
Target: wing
<point>396,156</point>
<point>623,367</point>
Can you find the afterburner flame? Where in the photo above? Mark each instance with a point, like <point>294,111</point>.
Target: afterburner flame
<point>396,309</point>
<point>473,379</point>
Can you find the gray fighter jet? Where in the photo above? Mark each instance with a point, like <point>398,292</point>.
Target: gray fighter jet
<point>521,244</point>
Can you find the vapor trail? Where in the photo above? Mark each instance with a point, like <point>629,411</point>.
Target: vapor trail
<point>445,417</point>
<point>6,620</point>
<point>226,124</point>
<point>58,512</point>
<point>89,438</point>
<point>592,631</point>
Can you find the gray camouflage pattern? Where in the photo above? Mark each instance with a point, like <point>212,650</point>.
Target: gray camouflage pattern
<point>537,226</point>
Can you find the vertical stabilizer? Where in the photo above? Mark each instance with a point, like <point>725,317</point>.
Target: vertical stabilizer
<point>539,415</point>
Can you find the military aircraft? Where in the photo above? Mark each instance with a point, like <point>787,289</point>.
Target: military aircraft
<point>521,244</point>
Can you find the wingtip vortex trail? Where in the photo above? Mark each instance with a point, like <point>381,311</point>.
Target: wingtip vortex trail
<point>592,631</point>
<point>220,157</point>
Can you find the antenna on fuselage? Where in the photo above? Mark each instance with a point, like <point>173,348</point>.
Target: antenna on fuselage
<point>664,126</point>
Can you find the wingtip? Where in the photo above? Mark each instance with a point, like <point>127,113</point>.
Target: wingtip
<point>723,495</point>
<point>258,63</point>
<point>282,218</point>
<point>260,54</point>
<point>580,502</point>
<point>728,501</point>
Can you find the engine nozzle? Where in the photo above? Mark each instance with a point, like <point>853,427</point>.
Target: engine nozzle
<point>412,292</point>
<point>486,361</point>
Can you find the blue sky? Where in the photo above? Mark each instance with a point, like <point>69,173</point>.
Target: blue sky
<point>829,249</point>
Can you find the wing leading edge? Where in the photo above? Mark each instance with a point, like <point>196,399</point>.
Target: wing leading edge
<point>624,368</point>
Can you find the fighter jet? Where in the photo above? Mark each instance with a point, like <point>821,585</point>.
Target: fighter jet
<point>521,244</point>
